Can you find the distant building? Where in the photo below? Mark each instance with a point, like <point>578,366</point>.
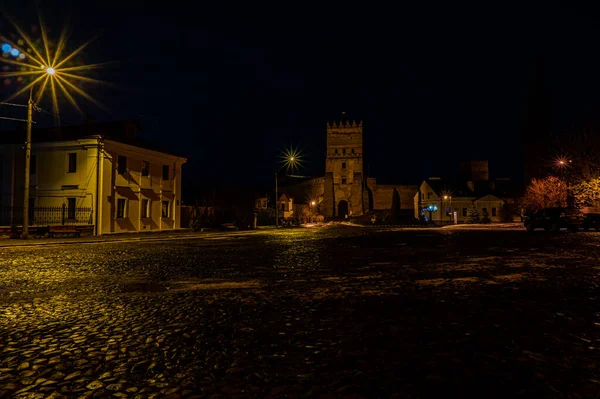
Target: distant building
<point>97,175</point>
<point>446,201</point>
<point>345,190</point>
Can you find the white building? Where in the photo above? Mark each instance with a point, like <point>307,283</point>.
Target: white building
<point>444,202</point>
<point>99,175</point>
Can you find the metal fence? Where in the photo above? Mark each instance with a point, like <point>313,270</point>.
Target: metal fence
<point>46,216</point>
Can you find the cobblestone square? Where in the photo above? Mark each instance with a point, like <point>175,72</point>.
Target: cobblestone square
<point>330,312</point>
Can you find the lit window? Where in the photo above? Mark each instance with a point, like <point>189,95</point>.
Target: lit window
<point>121,202</point>
<point>165,209</point>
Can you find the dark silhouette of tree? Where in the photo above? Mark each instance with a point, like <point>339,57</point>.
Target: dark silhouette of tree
<point>485,217</point>
<point>506,213</point>
<point>395,211</point>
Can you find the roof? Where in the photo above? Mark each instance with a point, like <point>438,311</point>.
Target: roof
<point>460,188</point>
<point>124,131</point>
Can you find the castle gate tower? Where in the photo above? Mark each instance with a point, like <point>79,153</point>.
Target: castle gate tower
<point>343,192</point>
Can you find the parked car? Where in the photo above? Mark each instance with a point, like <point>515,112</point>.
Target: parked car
<point>591,221</point>
<point>554,219</point>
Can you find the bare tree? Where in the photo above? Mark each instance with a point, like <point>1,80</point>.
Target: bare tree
<point>545,193</point>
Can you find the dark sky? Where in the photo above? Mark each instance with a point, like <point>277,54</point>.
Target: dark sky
<point>228,85</point>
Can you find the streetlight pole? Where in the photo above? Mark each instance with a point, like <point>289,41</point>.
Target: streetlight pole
<point>289,161</point>
<point>25,233</point>
<point>276,202</point>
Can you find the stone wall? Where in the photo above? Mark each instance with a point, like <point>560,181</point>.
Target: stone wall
<point>382,196</point>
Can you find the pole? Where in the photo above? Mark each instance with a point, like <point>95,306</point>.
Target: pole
<point>25,234</point>
<point>276,204</point>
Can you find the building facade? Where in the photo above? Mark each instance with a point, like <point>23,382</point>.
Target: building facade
<point>344,191</point>
<point>448,201</point>
<point>96,180</point>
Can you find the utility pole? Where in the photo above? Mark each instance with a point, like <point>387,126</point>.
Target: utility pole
<point>25,234</point>
<point>276,204</point>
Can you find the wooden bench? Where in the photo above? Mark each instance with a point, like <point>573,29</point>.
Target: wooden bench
<point>54,231</point>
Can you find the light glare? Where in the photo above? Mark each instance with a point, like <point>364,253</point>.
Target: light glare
<point>50,71</point>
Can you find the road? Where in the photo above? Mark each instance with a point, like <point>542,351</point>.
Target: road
<point>330,312</point>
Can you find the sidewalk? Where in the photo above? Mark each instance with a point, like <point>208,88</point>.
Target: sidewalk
<point>112,237</point>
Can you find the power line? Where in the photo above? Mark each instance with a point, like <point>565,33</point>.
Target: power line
<point>14,119</point>
<point>13,105</point>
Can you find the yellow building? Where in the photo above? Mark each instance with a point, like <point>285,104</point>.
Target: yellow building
<point>98,175</point>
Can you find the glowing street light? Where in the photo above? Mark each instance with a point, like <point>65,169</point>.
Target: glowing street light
<point>291,160</point>
<point>313,203</point>
<point>49,70</point>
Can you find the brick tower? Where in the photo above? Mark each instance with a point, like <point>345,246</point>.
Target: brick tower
<point>344,181</point>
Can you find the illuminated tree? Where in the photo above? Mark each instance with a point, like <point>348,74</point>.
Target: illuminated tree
<point>545,193</point>
<point>587,192</point>
<point>473,215</point>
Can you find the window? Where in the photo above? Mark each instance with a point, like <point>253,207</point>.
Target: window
<point>352,150</point>
<point>494,211</point>
<point>165,209</point>
<point>145,168</point>
<point>483,210</point>
<point>423,196</point>
<point>145,211</point>
<point>336,151</point>
<point>121,202</point>
<point>71,208</point>
<point>165,172</point>
<point>343,180</point>
<point>343,165</point>
<point>72,162</point>
<point>33,165</point>
<point>283,206</point>
<point>122,164</point>
<point>343,151</point>
<point>429,195</point>
<point>464,212</point>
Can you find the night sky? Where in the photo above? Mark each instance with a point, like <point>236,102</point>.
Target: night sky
<point>230,85</point>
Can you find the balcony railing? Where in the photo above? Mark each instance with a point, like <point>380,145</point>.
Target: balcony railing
<point>46,216</point>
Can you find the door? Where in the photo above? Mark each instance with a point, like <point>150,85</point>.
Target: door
<point>342,208</point>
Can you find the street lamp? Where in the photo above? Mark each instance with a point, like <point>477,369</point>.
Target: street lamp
<point>25,234</point>
<point>289,161</point>
<point>51,71</point>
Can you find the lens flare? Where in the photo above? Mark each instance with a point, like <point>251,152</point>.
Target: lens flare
<point>50,66</point>
<point>291,159</point>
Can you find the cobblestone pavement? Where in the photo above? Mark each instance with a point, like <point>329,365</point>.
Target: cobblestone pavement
<point>331,312</point>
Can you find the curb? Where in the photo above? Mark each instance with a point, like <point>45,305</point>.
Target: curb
<point>121,239</point>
